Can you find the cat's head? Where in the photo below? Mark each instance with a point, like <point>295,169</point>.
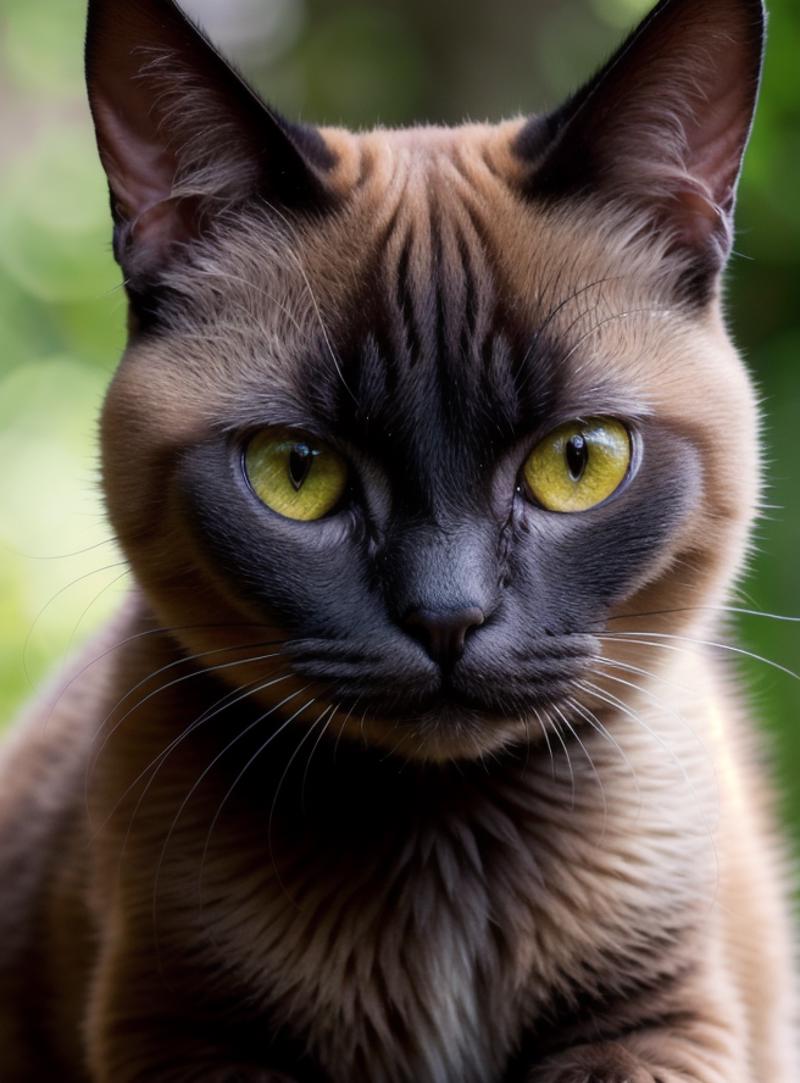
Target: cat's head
<point>434,408</point>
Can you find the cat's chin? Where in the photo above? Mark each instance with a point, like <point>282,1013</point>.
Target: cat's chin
<point>444,734</point>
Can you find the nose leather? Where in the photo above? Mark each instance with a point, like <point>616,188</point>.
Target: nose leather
<point>444,633</point>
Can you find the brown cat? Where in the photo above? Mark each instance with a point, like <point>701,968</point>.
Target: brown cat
<point>412,758</point>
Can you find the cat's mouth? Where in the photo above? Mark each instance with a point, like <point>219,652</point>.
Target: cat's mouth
<point>478,693</point>
<point>451,700</point>
<point>451,724</point>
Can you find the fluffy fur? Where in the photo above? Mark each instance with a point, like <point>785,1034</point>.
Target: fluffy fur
<point>222,863</point>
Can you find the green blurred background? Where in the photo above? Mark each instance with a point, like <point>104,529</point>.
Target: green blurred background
<point>62,312</point>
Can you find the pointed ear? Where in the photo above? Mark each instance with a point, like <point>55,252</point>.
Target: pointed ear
<point>664,125</point>
<point>181,135</point>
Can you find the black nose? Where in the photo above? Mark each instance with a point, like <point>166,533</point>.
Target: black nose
<point>443,633</point>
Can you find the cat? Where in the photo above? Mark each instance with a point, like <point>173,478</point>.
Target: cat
<point>411,757</point>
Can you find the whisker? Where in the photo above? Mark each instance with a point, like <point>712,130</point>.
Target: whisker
<point>710,759</point>
<point>204,774</point>
<point>554,312</point>
<point>93,602</point>
<point>56,556</point>
<point>628,636</point>
<point>546,736</point>
<point>312,297</point>
<point>737,609</point>
<point>657,703</point>
<point>156,763</point>
<point>132,639</point>
<point>321,735</point>
<point>309,732</point>
<point>203,671</point>
<point>238,779</point>
<point>590,761</point>
<point>559,735</point>
<point>613,701</point>
<point>594,722</point>
<point>648,673</point>
<point>651,310</point>
<point>221,326</point>
<point>62,590</point>
<point>343,726</point>
<point>528,738</point>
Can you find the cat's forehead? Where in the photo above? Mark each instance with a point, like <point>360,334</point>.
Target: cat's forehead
<point>433,289</point>
<point>381,157</point>
<point>433,332</point>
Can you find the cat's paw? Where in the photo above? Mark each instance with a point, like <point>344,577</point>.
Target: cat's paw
<point>606,1063</point>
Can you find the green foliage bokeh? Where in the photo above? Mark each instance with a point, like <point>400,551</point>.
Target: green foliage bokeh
<point>62,312</point>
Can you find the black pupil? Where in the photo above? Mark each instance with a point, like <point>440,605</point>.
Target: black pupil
<point>301,458</point>
<point>577,456</point>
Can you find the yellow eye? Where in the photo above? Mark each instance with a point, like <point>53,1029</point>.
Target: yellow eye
<point>579,465</point>
<point>295,475</point>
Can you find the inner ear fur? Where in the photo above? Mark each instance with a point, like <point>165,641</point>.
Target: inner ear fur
<point>663,126</point>
<point>181,135</point>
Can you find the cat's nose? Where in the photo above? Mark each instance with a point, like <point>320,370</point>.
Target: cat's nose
<point>443,633</point>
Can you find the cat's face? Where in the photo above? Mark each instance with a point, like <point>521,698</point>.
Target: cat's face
<point>435,424</point>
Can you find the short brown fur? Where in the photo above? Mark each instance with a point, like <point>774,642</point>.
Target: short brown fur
<point>609,909</point>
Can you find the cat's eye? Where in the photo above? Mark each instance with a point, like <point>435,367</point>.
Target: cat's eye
<point>579,465</point>
<point>295,475</point>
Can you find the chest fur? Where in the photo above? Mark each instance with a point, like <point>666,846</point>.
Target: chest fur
<point>423,945</point>
<point>387,962</point>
